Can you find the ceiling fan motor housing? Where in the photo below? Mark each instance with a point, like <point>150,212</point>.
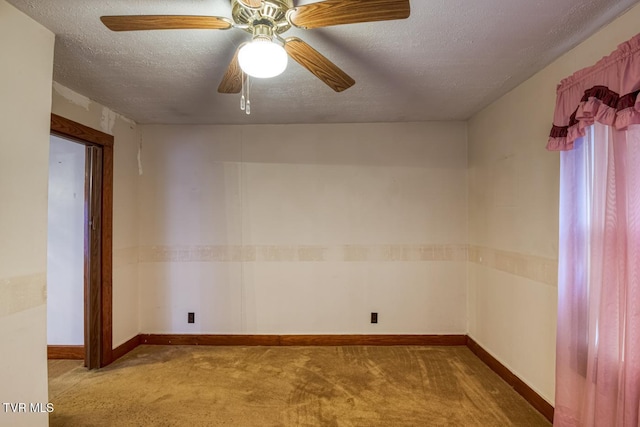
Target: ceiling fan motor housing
<point>263,31</point>
<point>272,13</point>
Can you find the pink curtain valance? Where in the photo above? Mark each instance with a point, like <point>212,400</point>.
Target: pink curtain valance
<point>606,92</point>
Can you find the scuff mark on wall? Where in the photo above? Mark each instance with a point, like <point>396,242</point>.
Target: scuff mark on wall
<point>22,293</point>
<point>140,157</point>
<point>108,117</point>
<point>107,120</point>
<point>72,96</point>
<point>132,124</point>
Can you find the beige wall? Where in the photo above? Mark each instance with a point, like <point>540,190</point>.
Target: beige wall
<point>304,228</point>
<point>25,88</point>
<point>76,107</point>
<point>298,229</point>
<point>513,216</point>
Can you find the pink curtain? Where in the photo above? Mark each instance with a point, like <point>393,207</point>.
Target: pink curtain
<point>598,335</point>
<point>605,93</point>
<point>598,338</point>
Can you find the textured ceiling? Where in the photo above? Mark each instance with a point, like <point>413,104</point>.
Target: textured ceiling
<point>446,62</point>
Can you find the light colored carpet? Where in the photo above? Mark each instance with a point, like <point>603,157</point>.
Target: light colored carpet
<point>287,386</point>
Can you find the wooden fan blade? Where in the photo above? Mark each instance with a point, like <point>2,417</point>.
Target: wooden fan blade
<point>337,12</point>
<point>251,3</point>
<point>232,79</point>
<point>318,64</point>
<point>164,22</point>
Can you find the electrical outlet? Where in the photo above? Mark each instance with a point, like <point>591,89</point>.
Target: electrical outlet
<point>191,317</point>
<point>374,317</point>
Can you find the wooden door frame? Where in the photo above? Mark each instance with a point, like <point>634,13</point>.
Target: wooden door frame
<point>69,129</point>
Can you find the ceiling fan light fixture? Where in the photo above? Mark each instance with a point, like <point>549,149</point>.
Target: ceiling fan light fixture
<point>262,58</point>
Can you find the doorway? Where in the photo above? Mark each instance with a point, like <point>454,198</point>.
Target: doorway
<point>95,230</point>
<point>65,246</point>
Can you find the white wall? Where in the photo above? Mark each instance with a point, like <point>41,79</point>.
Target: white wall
<point>513,216</point>
<point>78,108</point>
<point>308,228</point>
<point>65,243</point>
<point>25,85</point>
<point>304,228</point>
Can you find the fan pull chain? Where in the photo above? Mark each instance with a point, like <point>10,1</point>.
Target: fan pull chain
<point>242,98</point>
<point>248,106</point>
<point>245,102</point>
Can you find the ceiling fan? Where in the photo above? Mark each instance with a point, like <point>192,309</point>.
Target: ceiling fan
<point>266,20</point>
